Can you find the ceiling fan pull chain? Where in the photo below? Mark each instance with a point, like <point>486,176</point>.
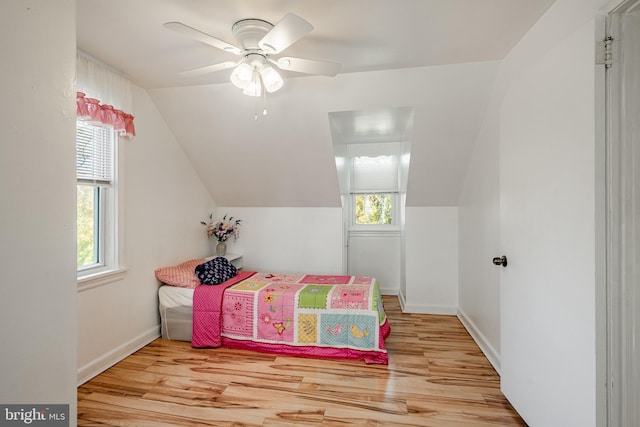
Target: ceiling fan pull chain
<point>264,99</point>
<point>255,110</point>
<point>255,78</point>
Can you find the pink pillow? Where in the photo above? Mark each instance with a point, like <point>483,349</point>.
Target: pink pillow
<point>181,275</point>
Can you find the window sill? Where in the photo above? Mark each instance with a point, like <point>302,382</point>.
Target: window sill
<point>95,280</point>
<point>373,231</point>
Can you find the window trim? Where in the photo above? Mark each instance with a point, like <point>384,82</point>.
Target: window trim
<point>97,279</point>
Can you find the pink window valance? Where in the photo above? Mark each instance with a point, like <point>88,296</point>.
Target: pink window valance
<point>91,110</point>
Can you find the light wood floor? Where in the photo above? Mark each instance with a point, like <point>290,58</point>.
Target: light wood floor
<point>437,376</point>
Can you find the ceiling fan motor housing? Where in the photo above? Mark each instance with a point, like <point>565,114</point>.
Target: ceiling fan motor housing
<point>248,32</point>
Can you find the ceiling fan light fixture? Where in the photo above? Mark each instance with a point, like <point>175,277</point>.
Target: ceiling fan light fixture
<point>271,79</point>
<point>242,75</point>
<point>254,87</point>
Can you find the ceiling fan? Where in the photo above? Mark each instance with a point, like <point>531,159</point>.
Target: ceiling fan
<point>258,43</point>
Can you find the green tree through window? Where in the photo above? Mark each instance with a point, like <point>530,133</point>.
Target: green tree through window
<point>87,238</point>
<point>374,209</point>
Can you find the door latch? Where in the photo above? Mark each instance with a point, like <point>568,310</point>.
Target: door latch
<point>500,260</point>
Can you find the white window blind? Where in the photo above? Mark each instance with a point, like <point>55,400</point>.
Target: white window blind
<point>94,147</point>
<point>375,174</point>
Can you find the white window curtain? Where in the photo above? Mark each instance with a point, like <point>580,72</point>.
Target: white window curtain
<point>103,96</point>
<point>374,167</point>
<point>375,174</point>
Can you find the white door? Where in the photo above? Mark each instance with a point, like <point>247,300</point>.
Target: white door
<point>547,232</point>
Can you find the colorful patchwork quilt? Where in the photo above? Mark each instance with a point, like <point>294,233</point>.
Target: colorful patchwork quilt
<point>303,315</point>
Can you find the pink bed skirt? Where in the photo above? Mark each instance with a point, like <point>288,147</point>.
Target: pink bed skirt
<point>370,357</point>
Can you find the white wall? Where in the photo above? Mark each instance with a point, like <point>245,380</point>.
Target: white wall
<point>37,203</point>
<point>431,270</point>
<point>376,255</point>
<point>288,240</point>
<point>479,242</point>
<point>162,204</point>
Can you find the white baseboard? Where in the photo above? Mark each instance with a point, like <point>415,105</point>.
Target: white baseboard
<point>402,300</point>
<point>95,367</point>
<point>481,340</point>
<point>425,308</point>
<point>389,291</point>
<point>429,309</point>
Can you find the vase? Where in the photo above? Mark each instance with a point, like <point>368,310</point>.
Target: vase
<point>221,249</point>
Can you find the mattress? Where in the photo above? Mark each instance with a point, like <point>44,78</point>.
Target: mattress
<point>176,312</point>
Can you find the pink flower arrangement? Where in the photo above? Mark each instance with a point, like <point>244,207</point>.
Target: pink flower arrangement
<point>223,229</point>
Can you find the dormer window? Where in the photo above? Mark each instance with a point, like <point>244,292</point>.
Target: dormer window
<point>375,186</point>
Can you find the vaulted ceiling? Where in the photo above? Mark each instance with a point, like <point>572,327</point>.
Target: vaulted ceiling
<point>439,57</point>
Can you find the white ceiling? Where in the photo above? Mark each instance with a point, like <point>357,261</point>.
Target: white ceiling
<point>437,56</point>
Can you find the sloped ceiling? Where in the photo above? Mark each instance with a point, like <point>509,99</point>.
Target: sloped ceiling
<point>437,56</point>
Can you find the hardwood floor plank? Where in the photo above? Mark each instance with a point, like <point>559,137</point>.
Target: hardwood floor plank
<point>149,412</point>
<point>296,418</point>
<point>437,376</point>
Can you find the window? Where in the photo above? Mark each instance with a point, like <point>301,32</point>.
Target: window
<point>374,209</point>
<point>88,217</point>
<point>96,195</point>
<point>374,191</point>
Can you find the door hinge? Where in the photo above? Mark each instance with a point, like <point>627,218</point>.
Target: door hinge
<point>604,52</point>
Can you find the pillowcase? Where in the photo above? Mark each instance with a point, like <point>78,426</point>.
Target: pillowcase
<point>215,271</point>
<point>180,275</point>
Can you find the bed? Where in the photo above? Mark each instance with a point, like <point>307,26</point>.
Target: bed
<point>320,316</point>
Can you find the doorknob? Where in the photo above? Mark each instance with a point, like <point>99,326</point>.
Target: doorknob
<point>500,260</point>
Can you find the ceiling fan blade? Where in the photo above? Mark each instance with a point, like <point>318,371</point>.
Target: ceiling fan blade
<point>188,31</point>
<point>308,66</point>
<point>208,69</point>
<point>286,32</point>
